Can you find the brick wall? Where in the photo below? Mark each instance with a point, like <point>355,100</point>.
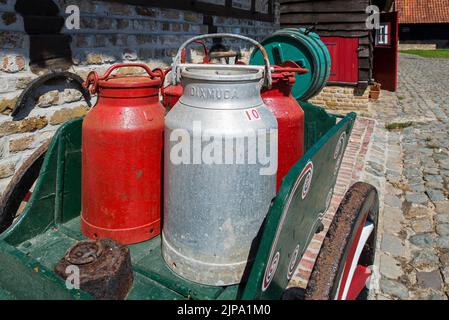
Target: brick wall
<point>109,33</point>
<point>343,99</point>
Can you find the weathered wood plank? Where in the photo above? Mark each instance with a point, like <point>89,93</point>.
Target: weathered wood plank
<point>323,18</point>
<point>365,40</point>
<point>335,26</point>
<point>333,33</point>
<point>364,52</point>
<point>270,7</point>
<point>287,1</point>
<point>325,6</point>
<point>201,7</point>
<point>365,74</point>
<point>364,64</point>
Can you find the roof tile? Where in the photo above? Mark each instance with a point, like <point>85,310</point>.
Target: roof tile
<point>423,11</point>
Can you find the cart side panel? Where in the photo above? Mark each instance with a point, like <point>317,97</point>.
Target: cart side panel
<point>70,179</point>
<point>23,277</point>
<point>296,213</point>
<point>317,122</point>
<point>56,197</point>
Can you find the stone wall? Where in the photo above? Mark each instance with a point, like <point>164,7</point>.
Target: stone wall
<point>109,33</point>
<point>343,99</point>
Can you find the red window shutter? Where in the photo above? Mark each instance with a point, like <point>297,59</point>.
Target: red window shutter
<point>344,58</point>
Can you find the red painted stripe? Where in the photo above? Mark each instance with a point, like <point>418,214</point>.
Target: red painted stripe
<point>27,196</point>
<point>350,257</point>
<point>361,275</point>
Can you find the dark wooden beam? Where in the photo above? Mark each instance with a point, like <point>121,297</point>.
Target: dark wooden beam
<point>339,83</point>
<point>331,33</point>
<point>322,18</point>
<point>270,7</point>
<point>360,26</point>
<point>325,6</point>
<point>201,7</point>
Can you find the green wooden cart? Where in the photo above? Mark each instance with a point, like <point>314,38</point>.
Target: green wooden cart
<point>50,224</point>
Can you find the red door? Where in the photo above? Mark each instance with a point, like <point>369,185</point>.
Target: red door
<point>344,59</point>
<point>385,64</point>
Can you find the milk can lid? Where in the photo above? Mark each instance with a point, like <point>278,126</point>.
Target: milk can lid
<point>129,81</point>
<point>216,72</point>
<point>153,78</point>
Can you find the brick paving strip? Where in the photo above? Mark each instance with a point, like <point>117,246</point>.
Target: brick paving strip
<point>351,168</point>
<point>409,166</point>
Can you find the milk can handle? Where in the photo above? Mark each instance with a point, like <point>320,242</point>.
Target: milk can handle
<point>92,79</point>
<point>177,59</point>
<point>205,49</point>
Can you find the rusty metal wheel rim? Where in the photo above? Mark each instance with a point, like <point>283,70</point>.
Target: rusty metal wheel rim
<point>358,210</point>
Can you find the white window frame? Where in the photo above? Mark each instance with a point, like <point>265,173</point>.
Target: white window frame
<point>383,34</point>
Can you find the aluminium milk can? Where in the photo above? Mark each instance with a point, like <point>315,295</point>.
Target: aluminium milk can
<point>217,184</point>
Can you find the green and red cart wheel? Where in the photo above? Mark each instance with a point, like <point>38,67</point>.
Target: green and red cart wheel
<point>343,267</point>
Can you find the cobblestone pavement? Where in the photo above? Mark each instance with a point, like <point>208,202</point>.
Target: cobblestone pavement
<point>413,248</point>
<point>404,152</point>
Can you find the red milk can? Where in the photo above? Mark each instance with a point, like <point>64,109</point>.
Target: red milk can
<point>122,146</point>
<point>171,94</point>
<point>290,117</point>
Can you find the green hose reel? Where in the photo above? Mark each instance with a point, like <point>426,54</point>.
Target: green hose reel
<point>307,50</point>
